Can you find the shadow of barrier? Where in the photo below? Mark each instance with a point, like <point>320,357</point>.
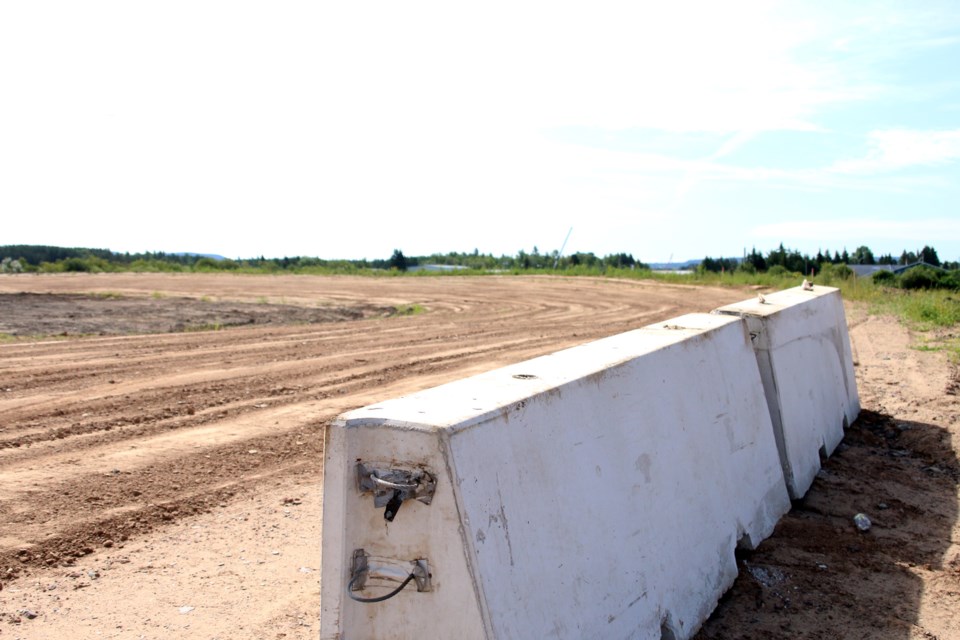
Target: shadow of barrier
<point>820,577</point>
<point>600,491</point>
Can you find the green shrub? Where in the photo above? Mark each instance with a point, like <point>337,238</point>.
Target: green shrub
<point>884,278</point>
<point>950,280</point>
<point>832,273</point>
<point>777,271</point>
<point>206,264</point>
<point>920,278</point>
<point>141,265</point>
<point>88,264</point>
<point>841,271</point>
<point>75,264</point>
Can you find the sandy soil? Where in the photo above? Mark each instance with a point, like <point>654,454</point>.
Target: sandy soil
<point>168,484</point>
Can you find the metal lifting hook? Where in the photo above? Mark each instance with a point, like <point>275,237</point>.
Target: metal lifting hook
<point>390,487</point>
<point>380,482</point>
<point>360,571</point>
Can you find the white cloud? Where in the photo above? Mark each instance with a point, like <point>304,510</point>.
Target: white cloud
<point>899,149</point>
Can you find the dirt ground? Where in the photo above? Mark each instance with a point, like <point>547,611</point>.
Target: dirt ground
<point>157,481</point>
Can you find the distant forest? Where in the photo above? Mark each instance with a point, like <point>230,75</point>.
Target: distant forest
<point>45,259</point>
<point>59,259</point>
<point>794,261</point>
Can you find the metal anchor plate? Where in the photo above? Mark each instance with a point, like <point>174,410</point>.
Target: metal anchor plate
<point>406,484</point>
<point>391,487</point>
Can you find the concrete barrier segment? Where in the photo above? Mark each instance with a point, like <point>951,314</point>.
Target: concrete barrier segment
<point>803,351</point>
<point>596,492</point>
<point>354,520</point>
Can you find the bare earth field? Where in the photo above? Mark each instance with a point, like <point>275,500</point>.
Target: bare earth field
<point>160,477</point>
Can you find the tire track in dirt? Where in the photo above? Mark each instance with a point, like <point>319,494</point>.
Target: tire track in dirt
<point>106,438</point>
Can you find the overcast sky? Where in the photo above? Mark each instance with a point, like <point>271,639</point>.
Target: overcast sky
<point>348,129</point>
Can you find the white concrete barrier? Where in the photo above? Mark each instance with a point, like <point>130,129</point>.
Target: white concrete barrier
<point>598,492</point>
<point>803,352</point>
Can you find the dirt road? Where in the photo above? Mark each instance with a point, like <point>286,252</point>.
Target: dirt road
<point>168,484</point>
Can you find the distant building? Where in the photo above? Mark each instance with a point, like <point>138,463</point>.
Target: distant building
<point>867,270</point>
<point>436,267</point>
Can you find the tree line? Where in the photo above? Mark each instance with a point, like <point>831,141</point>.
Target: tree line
<point>38,258</point>
<point>793,261</point>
